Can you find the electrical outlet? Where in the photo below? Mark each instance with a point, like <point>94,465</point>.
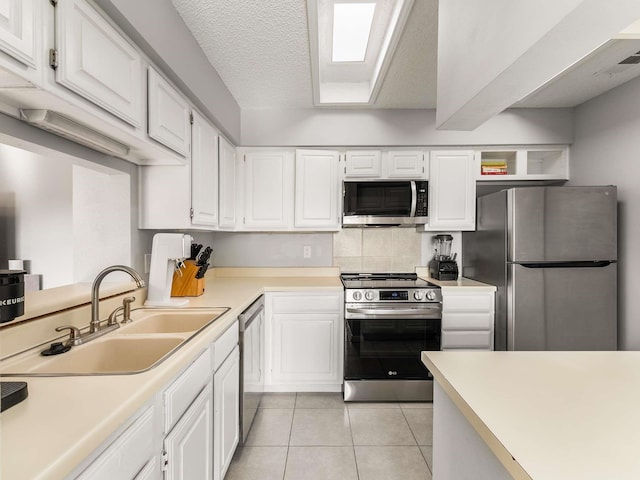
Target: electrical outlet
<point>147,262</point>
<point>306,251</point>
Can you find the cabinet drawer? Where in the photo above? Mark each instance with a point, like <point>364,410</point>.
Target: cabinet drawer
<point>471,340</point>
<point>467,303</point>
<point>466,321</point>
<point>125,457</point>
<point>178,396</point>
<point>306,303</point>
<point>224,345</point>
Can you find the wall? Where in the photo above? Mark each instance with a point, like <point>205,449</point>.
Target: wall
<point>271,249</point>
<point>377,249</point>
<point>52,182</point>
<point>607,151</point>
<point>375,127</point>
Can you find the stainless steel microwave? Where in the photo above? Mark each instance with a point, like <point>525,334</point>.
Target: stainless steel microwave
<point>380,203</point>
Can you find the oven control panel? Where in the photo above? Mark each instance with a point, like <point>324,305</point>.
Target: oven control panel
<point>411,295</point>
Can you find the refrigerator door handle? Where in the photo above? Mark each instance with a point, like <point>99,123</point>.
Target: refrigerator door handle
<point>585,264</point>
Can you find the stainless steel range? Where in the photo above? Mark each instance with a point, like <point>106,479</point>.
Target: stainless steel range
<point>389,319</point>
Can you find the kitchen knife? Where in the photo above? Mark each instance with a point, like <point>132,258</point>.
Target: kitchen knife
<point>204,256</point>
<point>195,250</point>
<point>202,270</point>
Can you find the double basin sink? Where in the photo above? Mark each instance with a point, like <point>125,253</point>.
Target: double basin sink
<point>152,336</point>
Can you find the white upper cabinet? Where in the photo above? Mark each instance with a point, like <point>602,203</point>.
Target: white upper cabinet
<point>168,114</point>
<point>317,193</point>
<point>18,30</point>
<point>227,184</point>
<point>406,164</point>
<point>204,172</point>
<point>184,196</point>
<point>363,164</point>
<point>268,190</point>
<point>96,62</point>
<point>452,190</point>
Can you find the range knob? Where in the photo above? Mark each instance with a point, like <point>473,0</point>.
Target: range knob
<point>418,294</point>
<point>357,295</point>
<point>368,295</point>
<point>431,295</point>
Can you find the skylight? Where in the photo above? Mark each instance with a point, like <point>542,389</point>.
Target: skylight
<point>352,43</point>
<point>351,29</point>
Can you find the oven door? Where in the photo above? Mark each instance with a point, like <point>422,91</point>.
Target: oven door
<point>384,343</point>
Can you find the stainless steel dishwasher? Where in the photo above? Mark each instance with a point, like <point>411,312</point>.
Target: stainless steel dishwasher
<point>251,323</point>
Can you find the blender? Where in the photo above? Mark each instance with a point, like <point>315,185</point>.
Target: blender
<point>443,266</point>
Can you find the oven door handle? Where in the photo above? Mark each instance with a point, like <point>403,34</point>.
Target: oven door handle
<point>425,312</point>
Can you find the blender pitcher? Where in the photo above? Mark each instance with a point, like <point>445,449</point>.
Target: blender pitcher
<point>443,247</point>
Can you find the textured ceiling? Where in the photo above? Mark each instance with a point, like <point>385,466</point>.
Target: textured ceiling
<point>261,51</point>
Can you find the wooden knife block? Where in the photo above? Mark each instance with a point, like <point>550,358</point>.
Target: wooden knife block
<point>187,285</point>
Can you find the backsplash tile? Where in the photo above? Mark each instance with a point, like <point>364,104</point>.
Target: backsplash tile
<point>382,249</point>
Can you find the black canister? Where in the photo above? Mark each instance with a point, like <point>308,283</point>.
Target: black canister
<point>11,294</point>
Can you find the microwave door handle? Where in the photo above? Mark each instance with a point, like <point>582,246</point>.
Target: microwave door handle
<point>414,198</point>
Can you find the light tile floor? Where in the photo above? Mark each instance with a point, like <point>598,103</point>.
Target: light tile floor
<point>316,436</point>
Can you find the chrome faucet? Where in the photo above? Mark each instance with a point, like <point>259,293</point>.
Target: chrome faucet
<point>94,326</point>
<point>95,329</point>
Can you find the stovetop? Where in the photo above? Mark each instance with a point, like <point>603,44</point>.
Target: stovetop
<point>384,280</point>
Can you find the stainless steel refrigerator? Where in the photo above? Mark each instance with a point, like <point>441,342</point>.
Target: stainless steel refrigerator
<point>551,252</point>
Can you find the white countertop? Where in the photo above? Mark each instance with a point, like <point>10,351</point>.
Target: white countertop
<point>550,415</point>
<point>65,418</point>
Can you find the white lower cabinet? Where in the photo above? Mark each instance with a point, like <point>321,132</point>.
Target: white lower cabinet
<point>304,341</point>
<point>187,449</point>
<point>226,413</point>
<point>129,453</point>
<point>151,470</point>
<point>468,317</point>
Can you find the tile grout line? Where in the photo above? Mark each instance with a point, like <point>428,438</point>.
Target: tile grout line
<point>416,440</point>
<point>353,442</point>
<point>286,458</point>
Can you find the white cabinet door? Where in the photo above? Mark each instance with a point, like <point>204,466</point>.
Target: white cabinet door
<point>304,341</point>
<point>151,471</point>
<point>363,164</point>
<point>305,348</point>
<point>96,62</point>
<point>127,455</point>
<point>226,416</point>
<point>169,114</point>
<point>18,30</point>
<point>268,190</point>
<point>317,196</point>
<point>227,184</point>
<point>452,191</point>
<point>204,172</point>
<point>406,164</point>
<point>189,445</point>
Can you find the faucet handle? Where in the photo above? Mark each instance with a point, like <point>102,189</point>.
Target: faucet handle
<point>126,305</point>
<point>74,334</point>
